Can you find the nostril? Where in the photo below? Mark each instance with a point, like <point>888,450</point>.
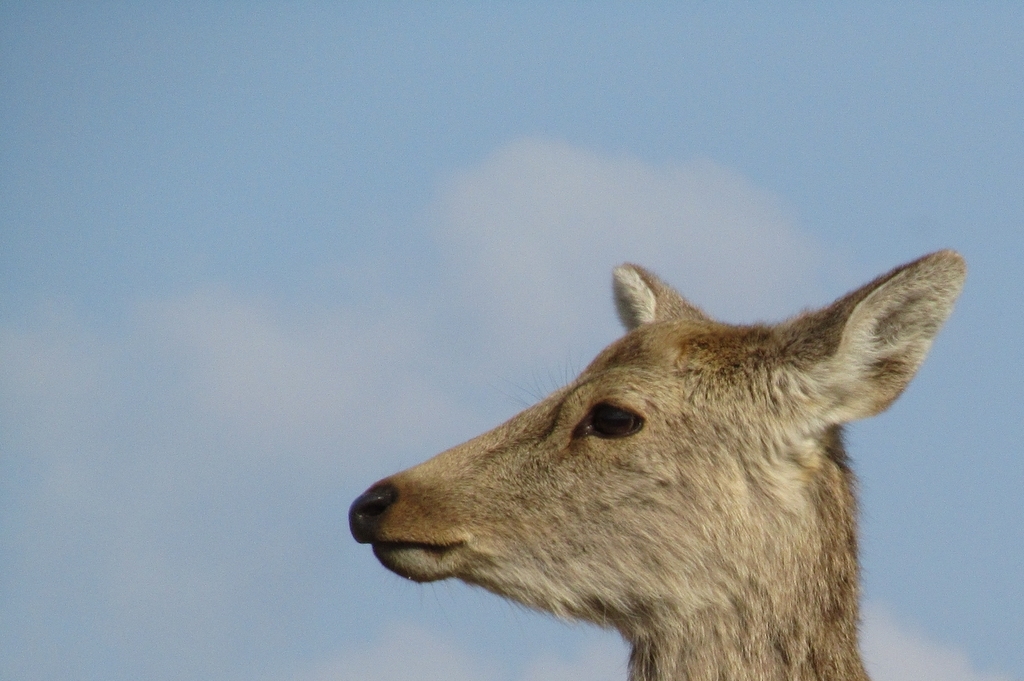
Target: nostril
<point>374,506</point>
<point>367,509</point>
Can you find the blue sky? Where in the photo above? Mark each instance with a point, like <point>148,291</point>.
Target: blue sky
<point>254,256</point>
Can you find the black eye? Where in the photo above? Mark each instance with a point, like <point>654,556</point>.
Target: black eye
<point>605,420</point>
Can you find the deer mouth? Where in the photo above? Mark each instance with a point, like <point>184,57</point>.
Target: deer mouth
<point>418,561</point>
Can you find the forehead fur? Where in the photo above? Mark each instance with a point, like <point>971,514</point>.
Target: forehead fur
<point>706,346</point>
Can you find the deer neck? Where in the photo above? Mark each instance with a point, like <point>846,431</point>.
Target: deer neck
<point>733,646</point>
<point>794,624</point>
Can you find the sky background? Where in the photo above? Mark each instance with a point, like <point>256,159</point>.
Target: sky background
<point>256,256</point>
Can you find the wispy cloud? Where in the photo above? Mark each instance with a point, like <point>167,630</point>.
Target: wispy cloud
<point>334,375</point>
<point>532,232</point>
<point>407,653</point>
<point>597,661</point>
<point>163,482</point>
<point>895,652</point>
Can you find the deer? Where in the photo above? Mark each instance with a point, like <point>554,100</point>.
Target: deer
<point>690,488</point>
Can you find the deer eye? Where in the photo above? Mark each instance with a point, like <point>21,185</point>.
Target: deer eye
<point>608,421</point>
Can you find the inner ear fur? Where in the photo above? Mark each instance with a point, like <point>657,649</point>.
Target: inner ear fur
<point>642,298</point>
<point>858,354</point>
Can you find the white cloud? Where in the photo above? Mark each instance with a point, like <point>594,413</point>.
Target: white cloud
<point>405,653</point>
<point>332,375</point>
<point>159,481</point>
<point>335,389</point>
<point>50,368</point>
<point>531,235</point>
<point>893,652</point>
<point>596,661</point>
<point>408,653</point>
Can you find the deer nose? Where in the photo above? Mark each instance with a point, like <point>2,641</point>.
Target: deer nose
<point>367,510</point>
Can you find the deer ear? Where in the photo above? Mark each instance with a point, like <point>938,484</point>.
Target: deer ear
<point>642,298</point>
<point>859,353</point>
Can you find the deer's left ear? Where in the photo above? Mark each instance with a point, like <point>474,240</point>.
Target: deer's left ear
<point>642,298</point>
<point>857,355</point>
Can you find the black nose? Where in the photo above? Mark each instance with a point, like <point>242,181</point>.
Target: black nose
<point>368,509</point>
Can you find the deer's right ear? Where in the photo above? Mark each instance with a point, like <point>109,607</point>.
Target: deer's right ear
<point>642,298</point>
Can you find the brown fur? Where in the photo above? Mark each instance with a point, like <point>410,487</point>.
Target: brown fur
<point>720,537</point>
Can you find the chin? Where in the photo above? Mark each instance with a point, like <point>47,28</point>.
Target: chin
<point>418,562</point>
